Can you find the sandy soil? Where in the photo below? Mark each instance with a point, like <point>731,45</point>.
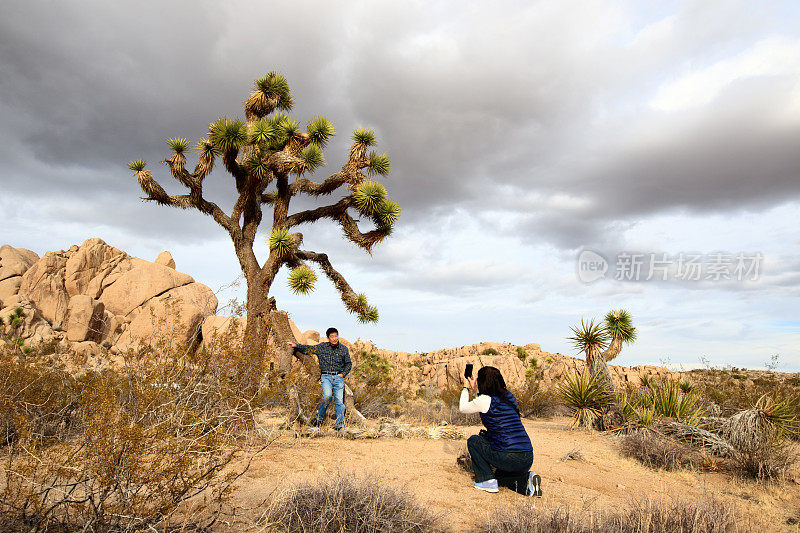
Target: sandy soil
<point>427,468</point>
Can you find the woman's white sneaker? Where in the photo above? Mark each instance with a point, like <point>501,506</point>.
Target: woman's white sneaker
<point>490,485</point>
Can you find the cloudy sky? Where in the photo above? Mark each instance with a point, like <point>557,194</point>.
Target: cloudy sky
<point>520,134</point>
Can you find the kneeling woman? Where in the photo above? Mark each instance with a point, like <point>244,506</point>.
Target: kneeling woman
<point>504,444</point>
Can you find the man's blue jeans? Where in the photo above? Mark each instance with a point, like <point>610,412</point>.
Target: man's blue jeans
<point>332,389</point>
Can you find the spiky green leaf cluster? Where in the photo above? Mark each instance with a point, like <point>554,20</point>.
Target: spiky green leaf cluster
<point>368,196</point>
<point>206,148</point>
<point>780,415</point>
<point>280,241</point>
<point>618,324</point>
<point>361,300</point>
<point>585,395</point>
<point>138,165</point>
<point>589,336</point>
<point>228,134</point>
<point>289,128</point>
<point>279,123</point>
<point>302,279</point>
<point>257,165</point>
<point>312,158</point>
<point>364,136</point>
<point>387,213</point>
<point>178,144</point>
<point>320,130</point>
<point>370,314</point>
<point>262,132</point>
<point>275,85</point>
<point>378,164</point>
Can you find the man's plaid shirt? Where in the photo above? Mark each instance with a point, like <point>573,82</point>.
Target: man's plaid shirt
<point>332,359</point>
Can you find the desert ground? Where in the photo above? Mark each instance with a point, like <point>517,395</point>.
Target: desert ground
<point>603,478</point>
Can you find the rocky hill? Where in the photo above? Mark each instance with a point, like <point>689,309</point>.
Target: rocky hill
<point>98,301</point>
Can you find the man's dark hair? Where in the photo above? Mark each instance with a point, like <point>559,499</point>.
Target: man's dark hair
<point>331,330</point>
<point>491,382</point>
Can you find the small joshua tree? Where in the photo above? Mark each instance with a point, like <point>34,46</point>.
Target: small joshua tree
<point>603,342</point>
<point>267,156</point>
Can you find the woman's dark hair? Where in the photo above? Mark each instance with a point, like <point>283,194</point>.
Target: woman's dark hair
<point>331,330</point>
<point>491,382</point>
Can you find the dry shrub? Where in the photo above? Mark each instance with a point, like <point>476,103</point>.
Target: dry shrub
<point>353,503</point>
<point>757,437</point>
<point>660,451</point>
<point>535,401</point>
<point>706,515</point>
<point>374,387</point>
<point>121,451</point>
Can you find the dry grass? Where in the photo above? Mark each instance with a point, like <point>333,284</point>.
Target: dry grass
<point>707,515</point>
<point>350,502</point>
<point>660,451</point>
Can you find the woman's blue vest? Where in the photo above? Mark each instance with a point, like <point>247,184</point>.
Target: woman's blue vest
<point>504,427</point>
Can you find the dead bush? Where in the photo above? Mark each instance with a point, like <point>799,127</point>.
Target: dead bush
<point>349,502</point>
<point>706,515</point>
<point>660,451</point>
<point>758,439</point>
<point>120,451</point>
<point>535,401</point>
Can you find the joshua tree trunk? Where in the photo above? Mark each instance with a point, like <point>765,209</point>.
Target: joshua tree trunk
<point>597,366</point>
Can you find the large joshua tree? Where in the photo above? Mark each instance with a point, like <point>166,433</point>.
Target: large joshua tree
<point>602,342</point>
<point>268,157</point>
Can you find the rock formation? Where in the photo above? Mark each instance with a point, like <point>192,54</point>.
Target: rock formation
<point>96,297</point>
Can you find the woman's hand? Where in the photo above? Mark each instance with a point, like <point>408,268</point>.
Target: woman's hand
<point>290,343</point>
<point>469,383</point>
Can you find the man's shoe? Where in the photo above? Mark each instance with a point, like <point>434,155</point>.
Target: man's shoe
<point>490,485</point>
<point>315,422</point>
<point>338,428</point>
<point>534,485</point>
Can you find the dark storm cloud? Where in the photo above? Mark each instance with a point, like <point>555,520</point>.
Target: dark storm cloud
<point>525,95</point>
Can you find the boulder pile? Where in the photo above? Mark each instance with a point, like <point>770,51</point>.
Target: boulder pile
<point>97,299</point>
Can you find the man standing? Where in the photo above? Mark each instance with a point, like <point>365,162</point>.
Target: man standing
<point>334,365</point>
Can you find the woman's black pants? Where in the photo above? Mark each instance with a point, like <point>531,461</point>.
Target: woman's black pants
<point>511,468</point>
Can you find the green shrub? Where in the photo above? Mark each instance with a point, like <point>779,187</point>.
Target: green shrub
<point>521,353</point>
<point>490,351</point>
<point>585,396</point>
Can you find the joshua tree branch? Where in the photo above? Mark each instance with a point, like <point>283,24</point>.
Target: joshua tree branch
<point>330,211</point>
<point>195,199</point>
<point>350,173</point>
<point>364,240</point>
<point>349,296</point>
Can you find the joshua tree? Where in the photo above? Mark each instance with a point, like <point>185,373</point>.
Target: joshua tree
<point>266,150</point>
<point>603,342</point>
<point>268,155</point>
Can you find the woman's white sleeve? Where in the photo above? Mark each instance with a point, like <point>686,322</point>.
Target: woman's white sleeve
<point>480,404</point>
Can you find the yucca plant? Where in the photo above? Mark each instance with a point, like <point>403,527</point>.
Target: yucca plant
<point>667,399</point>
<point>584,394</point>
<point>263,153</point>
